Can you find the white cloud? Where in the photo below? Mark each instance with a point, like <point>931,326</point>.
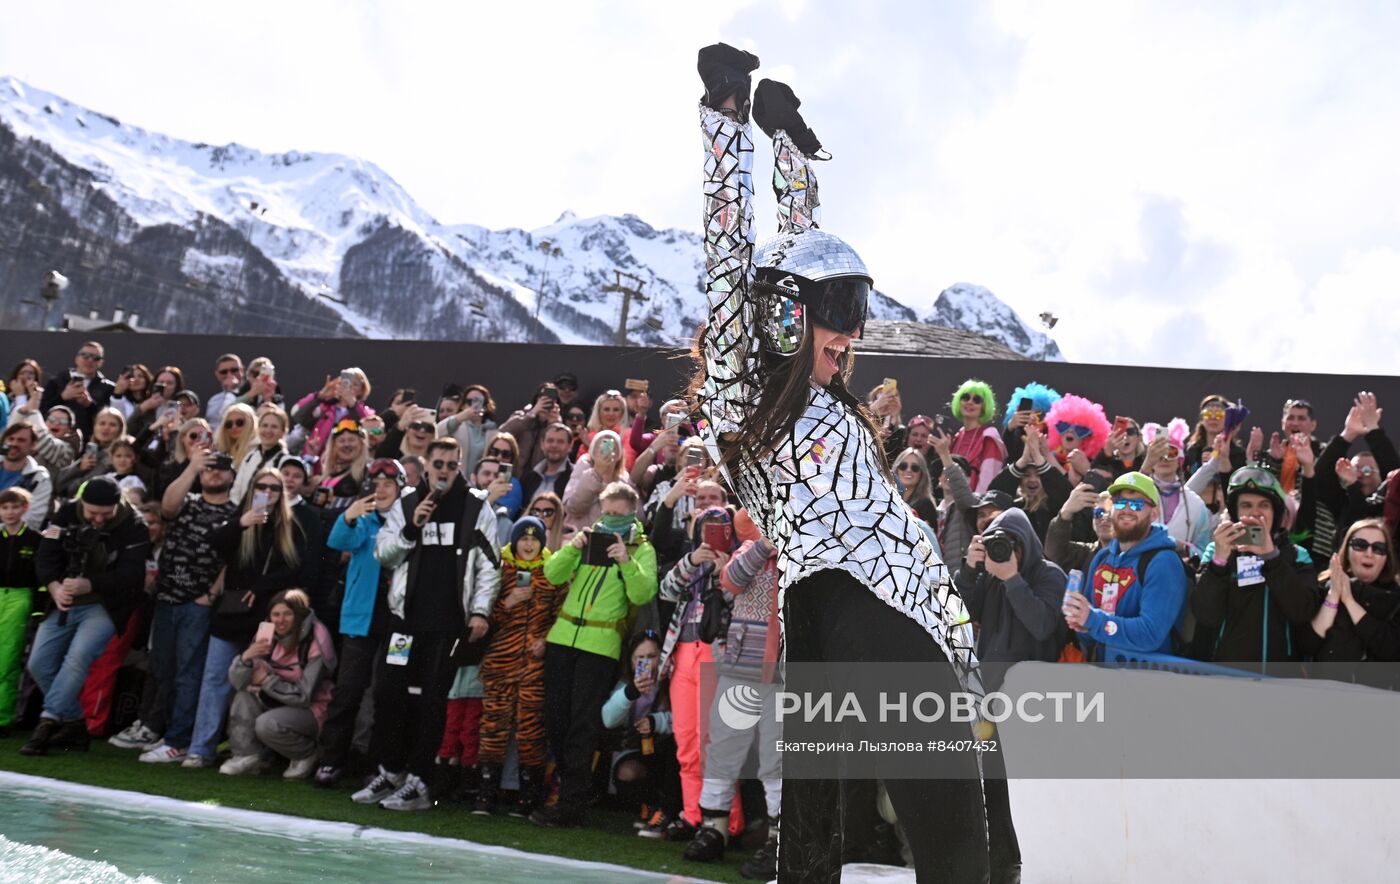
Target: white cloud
<point>1176,164</point>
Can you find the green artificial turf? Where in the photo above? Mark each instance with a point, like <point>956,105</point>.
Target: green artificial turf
<point>607,837</point>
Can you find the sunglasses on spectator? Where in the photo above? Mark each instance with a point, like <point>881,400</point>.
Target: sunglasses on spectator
<point>575,418</point>
<point>1078,431</point>
<point>501,452</point>
<point>446,464</point>
<point>59,420</point>
<point>1099,513</point>
<point>1137,504</point>
<point>544,512</point>
<point>974,398</point>
<point>909,468</point>
<point>1130,430</point>
<point>565,385</point>
<point>90,356</point>
<point>235,422</point>
<point>1356,544</point>
<point>195,436</point>
<point>1213,414</point>
<point>612,394</point>
<point>267,486</point>
<point>224,371</point>
<point>1297,403</point>
<point>422,426</point>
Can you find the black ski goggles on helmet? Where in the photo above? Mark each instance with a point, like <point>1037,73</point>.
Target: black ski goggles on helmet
<point>838,304</point>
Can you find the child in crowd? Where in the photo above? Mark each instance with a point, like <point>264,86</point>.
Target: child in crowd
<point>513,670</point>
<point>17,586</point>
<point>645,771</point>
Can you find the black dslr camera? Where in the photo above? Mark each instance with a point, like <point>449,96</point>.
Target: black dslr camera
<point>1000,545</point>
<point>78,542</point>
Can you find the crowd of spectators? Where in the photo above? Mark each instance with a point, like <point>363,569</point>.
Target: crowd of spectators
<point>446,601</point>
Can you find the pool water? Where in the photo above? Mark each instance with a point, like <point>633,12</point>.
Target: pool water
<point>55,831</point>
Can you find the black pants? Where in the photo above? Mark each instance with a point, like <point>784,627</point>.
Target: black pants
<point>576,685</point>
<point>410,705</point>
<point>832,617</point>
<point>353,676</point>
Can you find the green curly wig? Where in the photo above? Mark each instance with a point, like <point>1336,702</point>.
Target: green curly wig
<point>980,388</point>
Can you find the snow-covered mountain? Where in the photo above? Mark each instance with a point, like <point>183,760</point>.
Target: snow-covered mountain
<point>198,237</point>
<point>974,308</point>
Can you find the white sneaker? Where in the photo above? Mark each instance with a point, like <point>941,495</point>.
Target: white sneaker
<point>198,761</point>
<point>241,764</point>
<point>163,754</point>
<point>136,736</point>
<point>382,786</point>
<point>412,795</point>
<point>300,768</point>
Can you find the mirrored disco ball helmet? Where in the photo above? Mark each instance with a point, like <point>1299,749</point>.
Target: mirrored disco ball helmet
<point>808,276</point>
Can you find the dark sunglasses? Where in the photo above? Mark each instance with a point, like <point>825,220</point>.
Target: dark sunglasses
<point>909,468</point>
<point>575,418</point>
<point>973,397</point>
<point>502,452</point>
<point>224,371</point>
<point>565,385</point>
<point>267,486</point>
<point>235,422</point>
<point>1130,430</point>
<point>1099,513</point>
<point>421,426</point>
<point>195,436</point>
<point>446,464</point>
<point>544,512</point>
<point>92,357</point>
<point>1358,545</point>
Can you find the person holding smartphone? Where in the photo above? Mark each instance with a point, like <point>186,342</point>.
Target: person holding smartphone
<point>1254,586</point>
<point>512,672</point>
<point>474,426</point>
<point>262,549</point>
<point>83,388</point>
<point>344,396</point>
<point>282,686</point>
<point>583,645</point>
<point>528,425</point>
<point>594,471</point>
<point>638,716</point>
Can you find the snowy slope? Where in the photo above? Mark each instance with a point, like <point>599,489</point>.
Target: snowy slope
<point>346,235</point>
<point>974,308</point>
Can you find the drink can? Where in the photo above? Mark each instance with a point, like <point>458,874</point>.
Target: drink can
<point>1072,587</point>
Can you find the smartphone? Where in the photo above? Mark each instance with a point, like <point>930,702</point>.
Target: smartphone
<point>718,536</point>
<point>643,668</point>
<point>890,386</point>
<point>408,396</point>
<point>596,551</point>
<point>675,419</point>
<point>261,501</point>
<point>1096,480</point>
<point>1121,423</point>
<point>523,578</point>
<point>74,377</point>
<point>607,446</point>
<point>1025,403</point>
<point>1253,535</point>
<point>158,389</point>
<point>694,462</point>
<point>944,424</point>
<point>504,474</point>
<point>265,631</point>
<point>347,378</point>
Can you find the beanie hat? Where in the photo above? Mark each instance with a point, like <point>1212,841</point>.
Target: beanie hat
<point>527,526</point>
<point>101,491</point>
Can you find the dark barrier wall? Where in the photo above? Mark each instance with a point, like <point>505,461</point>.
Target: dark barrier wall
<point>512,371</point>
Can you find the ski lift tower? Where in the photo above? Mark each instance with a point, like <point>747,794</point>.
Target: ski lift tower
<point>629,293</point>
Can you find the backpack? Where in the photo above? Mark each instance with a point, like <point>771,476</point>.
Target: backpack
<point>1185,627</point>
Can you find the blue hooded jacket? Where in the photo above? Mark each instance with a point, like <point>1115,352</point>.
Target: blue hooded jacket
<point>362,575</point>
<point>1143,620</point>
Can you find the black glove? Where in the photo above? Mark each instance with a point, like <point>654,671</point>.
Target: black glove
<point>725,71</point>
<point>775,107</point>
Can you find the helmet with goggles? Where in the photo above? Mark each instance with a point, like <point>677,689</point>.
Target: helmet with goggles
<point>808,275</point>
<point>1255,480</point>
<point>387,468</point>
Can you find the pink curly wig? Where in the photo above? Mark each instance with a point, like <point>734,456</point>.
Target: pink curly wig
<point>1078,412</point>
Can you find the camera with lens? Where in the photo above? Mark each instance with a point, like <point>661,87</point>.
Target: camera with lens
<point>78,542</point>
<point>1000,545</point>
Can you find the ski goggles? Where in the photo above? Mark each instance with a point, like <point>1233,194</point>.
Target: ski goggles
<point>347,426</point>
<point>387,468</point>
<point>838,304</point>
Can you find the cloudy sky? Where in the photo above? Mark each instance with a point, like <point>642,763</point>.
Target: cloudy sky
<point>1187,184</point>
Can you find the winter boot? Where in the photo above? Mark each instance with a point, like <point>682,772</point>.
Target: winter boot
<point>725,71</point>
<point>775,107</point>
<point>41,738</point>
<point>707,846</point>
<point>72,735</point>
<point>470,785</point>
<point>489,789</point>
<point>763,865</point>
<point>447,779</point>
<point>531,788</point>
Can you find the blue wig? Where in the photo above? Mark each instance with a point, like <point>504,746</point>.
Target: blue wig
<point>1043,397</point>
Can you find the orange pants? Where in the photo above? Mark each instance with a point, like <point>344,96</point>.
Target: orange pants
<point>689,707</point>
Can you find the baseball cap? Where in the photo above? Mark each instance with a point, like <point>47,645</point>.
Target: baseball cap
<point>1138,482</point>
<point>999,499</point>
<point>188,395</point>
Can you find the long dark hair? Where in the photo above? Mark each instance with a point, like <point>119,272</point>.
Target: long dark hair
<point>1200,435</point>
<point>785,382</point>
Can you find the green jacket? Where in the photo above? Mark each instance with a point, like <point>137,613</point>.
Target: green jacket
<point>596,612</point>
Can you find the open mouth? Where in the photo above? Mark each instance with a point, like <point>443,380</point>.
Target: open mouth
<point>832,355</point>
